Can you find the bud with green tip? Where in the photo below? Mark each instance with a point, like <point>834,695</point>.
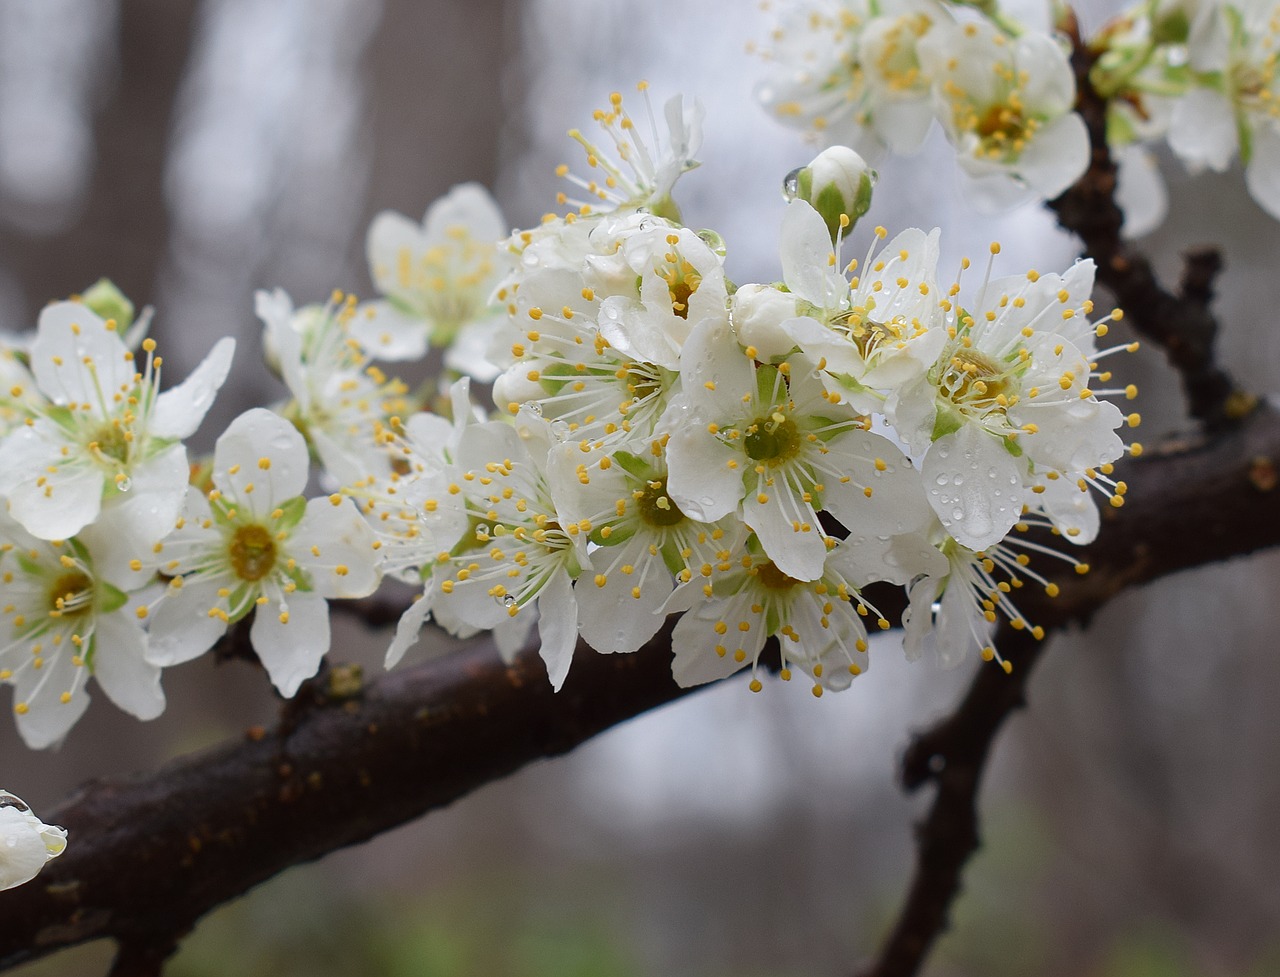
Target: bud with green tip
<point>108,302</point>
<point>837,184</point>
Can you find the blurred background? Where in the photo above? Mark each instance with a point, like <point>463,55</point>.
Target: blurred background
<point>195,151</point>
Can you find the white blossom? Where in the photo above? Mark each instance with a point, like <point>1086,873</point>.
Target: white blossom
<point>104,433</point>
<point>850,72</point>
<point>769,443</point>
<point>1006,105</point>
<point>340,401</point>
<point>254,542</point>
<point>438,279</point>
<point>68,614</point>
<point>635,174</point>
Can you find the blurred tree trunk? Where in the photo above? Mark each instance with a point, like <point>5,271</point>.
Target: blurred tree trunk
<point>122,231</point>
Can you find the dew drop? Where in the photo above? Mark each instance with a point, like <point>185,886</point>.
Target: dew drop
<point>509,600</point>
<point>943,479</point>
<point>791,184</point>
<point>560,430</point>
<point>959,480</point>
<point>957,514</point>
<point>533,407</point>
<point>714,241</point>
<point>124,484</point>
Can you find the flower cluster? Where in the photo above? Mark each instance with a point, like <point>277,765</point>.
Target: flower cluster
<point>664,439</point>
<point>753,455</point>
<point>875,76</point>
<point>1203,75</point>
<point>114,565</point>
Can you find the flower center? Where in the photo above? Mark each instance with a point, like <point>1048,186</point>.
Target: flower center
<point>682,280</point>
<point>774,439</point>
<point>974,380</point>
<point>867,335</point>
<point>643,380</point>
<point>71,595</point>
<point>770,576</point>
<point>253,552</point>
<point>656,507</point>
<point>111,442</point>
<point>1004,129</point>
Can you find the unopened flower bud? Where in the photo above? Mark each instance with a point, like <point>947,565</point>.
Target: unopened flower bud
<point>758,312</point>
<point>837,184</point>
<point>108,302</point>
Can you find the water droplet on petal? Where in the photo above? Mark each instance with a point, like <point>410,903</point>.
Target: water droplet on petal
<point>533,407</point>
<point>124,484</point>
<point>959,479</point>
<point>560,430</point>
<point>791,184</point>
<point>957,513</point>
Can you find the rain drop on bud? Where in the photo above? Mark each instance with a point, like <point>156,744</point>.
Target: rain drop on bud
<point>714,241</point>
<point>791,184</point>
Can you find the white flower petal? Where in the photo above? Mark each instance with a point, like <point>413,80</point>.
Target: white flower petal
<point>808,265</point>
<point>121,667</point>
<point>796,553</point>
<point>387,333</point>
<point>291,650</point>
<point>1140,191</point>
<point>469,206</point>
<point>144,515</point>
<point>974,485</point>
<point>1262,175</point>
<point>255,437</point>
<point>1203,130</point>
<point>408,628</point>
<point>181,626</point>
<point>610,618</point>
<point>1057,156</point>
<point>557,627</point>
<point>346,565</point>
<point>179,410</point>
<point>700,478</point>
<point>76,359</point>
<point>61,499</point>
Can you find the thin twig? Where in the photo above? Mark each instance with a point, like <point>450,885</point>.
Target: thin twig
<point>1182,324</point>
<point>953,755</point>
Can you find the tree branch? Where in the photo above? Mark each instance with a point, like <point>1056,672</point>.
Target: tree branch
<point>953,754</point>
<point>150,855</point>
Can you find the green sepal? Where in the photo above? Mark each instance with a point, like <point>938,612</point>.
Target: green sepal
<point>766,377</point>
<point>108,302</point>
<point>945,422</point>
<point>291,513</point>
<point>110,598</point>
